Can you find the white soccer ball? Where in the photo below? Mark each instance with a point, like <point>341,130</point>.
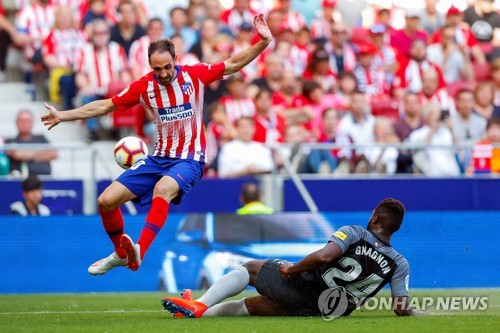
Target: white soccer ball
<point>129,150</point>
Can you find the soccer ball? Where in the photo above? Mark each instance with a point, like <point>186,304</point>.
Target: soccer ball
<point>129,150</point>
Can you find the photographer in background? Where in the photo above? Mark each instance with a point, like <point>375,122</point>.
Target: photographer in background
<point>32,194</point>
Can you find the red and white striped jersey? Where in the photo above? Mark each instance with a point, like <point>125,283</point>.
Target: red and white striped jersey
<point>294,20</point>
<point>138,55</point>
<point>233,19</point>
<point>371,80</point>
<point>320,27</point>
<point>103,66</point>
<point>64,45</point>
<point>237,108</point>
<point>177,108</point>
<point>35,20</point>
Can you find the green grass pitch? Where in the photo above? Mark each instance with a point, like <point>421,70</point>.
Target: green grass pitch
<point>142,312</point>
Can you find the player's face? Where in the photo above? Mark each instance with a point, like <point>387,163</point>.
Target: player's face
<point>163,66</point>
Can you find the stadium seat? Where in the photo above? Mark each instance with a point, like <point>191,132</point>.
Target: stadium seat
<point>454,87</point>
<point>482,72</point>
<point>388,108</point>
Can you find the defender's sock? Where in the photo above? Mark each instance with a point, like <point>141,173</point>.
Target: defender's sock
<point>228,309</point>
<point>154,222</point>
<point>229,285</point>
<point>113,224</point>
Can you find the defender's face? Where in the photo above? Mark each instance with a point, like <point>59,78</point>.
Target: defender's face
<point>163,66</point>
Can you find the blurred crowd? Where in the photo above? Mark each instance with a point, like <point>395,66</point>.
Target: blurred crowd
<point>349,73</point>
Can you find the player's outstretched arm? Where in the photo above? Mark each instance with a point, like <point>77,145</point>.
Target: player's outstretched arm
<point>90,110</point>
<point>328,253</point>
<point>243,58</point>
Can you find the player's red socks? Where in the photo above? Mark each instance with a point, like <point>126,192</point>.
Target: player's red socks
<point>113,224</point>
<point>154,222</point>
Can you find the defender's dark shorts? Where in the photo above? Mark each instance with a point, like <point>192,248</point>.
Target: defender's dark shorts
<point>293,294</point>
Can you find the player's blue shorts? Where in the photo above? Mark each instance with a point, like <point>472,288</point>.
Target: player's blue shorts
<point>142,177</point>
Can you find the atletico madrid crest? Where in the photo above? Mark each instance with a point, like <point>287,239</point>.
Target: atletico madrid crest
<point>187,88</point>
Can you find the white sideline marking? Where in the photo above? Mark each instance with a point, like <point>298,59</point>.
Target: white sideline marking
<point>78,312</point>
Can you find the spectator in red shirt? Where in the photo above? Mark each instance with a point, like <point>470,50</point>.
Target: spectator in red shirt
<point>321,25</point>
<point>432,93</point>
<point>59,50</point>
<point>319,70</point>
<point>234,17</point>
<point>371,78</point>
<point>269,126</point>
<point>291,17</point>
<point>409,75</point>
<point>95,71</point>
<point>236,103</point>
<point>403,39</point>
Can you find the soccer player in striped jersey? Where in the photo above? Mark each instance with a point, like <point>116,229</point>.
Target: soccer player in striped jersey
<point>174,96</point>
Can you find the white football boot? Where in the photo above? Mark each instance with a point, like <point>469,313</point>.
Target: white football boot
<point>102,266</point>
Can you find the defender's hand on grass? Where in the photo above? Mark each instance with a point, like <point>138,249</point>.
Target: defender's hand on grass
<point>52,118</point>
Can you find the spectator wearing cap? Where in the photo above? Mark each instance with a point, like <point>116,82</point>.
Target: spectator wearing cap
<point>342,56</point>
<point>403,39</point>
<point>319,70</point>
<point>31,204</point>
<point>385,57</point>
<point>464,38</point>
<point>431,20</point>
<point>321,25</point>
<point>484,21</point>
<point>370,77</point>
<point>236,103</point>
<point>234,17</point>
<point>409,75</point>
<point>452,59</point>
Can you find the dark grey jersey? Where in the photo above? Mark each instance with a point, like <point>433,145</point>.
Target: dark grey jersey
<point>366,265</point>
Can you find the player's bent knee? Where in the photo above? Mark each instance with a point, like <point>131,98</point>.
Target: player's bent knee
<point>106,203</point>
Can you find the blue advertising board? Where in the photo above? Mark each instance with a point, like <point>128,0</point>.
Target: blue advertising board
<point>61,196</point>
<point>445,249</point>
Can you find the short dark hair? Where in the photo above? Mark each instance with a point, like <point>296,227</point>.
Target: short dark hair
<point>493,121</point>
<point>263,90</point>
<point>32,182</point>
<point>162,45</point>
<point>462,91</point>
<point>327,110</point>
<point>309,86</point>
<point>249,192</point>
<point>154,20</point>
<point>391,210</point>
